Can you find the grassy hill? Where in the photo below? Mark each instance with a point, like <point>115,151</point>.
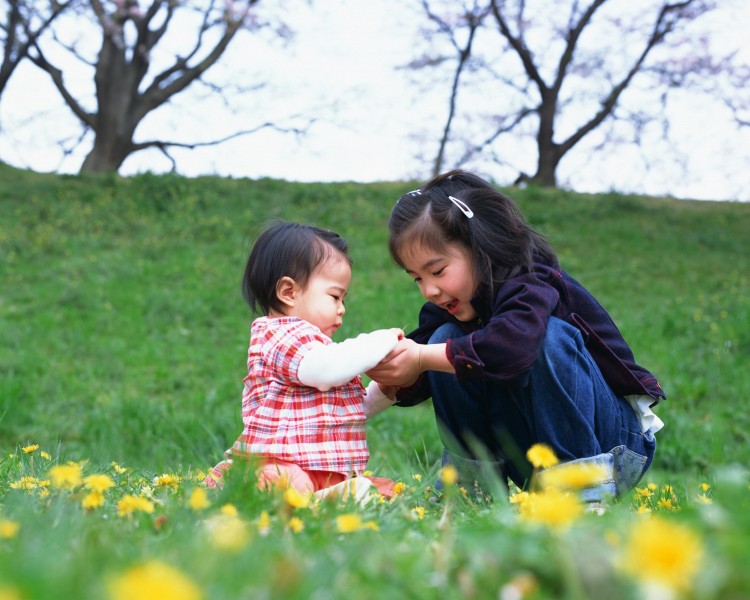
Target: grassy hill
<point>124,332</point>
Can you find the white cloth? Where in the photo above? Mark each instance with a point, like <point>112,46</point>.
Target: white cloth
<point>376,401</point>
<point>642,407</point>
<point>329,365</point>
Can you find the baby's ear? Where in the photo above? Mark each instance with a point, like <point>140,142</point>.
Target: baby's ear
<point>286,291</point>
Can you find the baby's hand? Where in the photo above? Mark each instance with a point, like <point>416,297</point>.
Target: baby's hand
<point>399,333</point>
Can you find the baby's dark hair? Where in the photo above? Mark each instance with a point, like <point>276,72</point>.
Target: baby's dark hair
<point>285,249</point>
<point>500,241</point>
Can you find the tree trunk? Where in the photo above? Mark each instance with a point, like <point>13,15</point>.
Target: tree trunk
<point>548,152</point>
<point>107,155</point>
<point>116,81</point>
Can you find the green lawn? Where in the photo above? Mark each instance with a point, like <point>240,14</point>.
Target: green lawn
<point>124,339</point>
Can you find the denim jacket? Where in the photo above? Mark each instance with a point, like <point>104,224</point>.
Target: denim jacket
<point>503,342</point>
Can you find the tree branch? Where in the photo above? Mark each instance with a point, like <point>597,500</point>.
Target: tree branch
<point>57,79</point>
<point>571,41</point>
<point>164,146</point>
<point>519,46</point>
<point>156,94</point>
<point>475,149</point>
<point>662,27</point>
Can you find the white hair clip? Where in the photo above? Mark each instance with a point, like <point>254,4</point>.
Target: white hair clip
<point>462,207</point>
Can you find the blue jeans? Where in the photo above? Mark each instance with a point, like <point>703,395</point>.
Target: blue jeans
<point>565,403</point>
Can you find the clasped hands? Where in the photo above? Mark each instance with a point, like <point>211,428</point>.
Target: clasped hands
<point>401,367</point>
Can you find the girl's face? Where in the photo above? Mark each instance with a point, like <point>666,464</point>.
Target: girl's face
<point>445,277</point>
<point>321,302</point>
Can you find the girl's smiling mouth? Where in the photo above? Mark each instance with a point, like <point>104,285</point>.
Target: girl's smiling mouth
<point>451,307</point>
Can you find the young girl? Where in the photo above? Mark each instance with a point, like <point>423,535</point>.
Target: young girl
<point>511,349</point>
<point>304,406</point>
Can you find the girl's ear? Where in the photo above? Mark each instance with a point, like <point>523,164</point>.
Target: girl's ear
<point>286,291</point>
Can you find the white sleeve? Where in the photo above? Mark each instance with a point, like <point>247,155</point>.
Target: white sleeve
<point>375,400</point>
<point>326,366</point>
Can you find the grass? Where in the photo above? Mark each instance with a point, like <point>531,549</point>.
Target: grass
<point>124,339</point>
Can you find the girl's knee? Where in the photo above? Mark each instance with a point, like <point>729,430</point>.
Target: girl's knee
<point>559,331</point>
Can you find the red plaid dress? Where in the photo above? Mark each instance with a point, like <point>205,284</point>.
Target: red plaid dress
<point>286,420</point>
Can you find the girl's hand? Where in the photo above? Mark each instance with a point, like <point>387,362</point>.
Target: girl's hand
<point>401,367</point>
<point>389,390</point>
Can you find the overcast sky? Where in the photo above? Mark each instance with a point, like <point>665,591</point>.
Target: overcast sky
<point>342,68</point>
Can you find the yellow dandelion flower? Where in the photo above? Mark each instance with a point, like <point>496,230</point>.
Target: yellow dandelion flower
<point>573,476</point>
<point>667,489</point>
<point>348,522</point>
<point>25,483</point>
<point>552,508</point>
<point>229,510</point>
<point>417,476</point>
<point>30,449</point>
<point>295,499</point>
<point>228,533</point>
<point>449,475</point>
<point>66,477</point>
<point>296,525</point>
<point>93,500</point>
<point>518,497</point>
<point>99,483</point>
<point>704,487</point>
<point>652,486</point>
<point>154,580</point>
<point>371,525</point>
<point>118,469</point>
<point>198,499</point>
<point>643,510</point>
<point>167,480</point>
<point>45,455</point>
<point>541,456</point>
<point>367,473</point>
<point>666,504</point>
<point>661,552</point>
<point>418,511</point>
<point>148,492</point>
<point>643,493</point>
<point>399,488</point>
<point>130,504</point>
<point>264,523</point>
<point>8,529</point>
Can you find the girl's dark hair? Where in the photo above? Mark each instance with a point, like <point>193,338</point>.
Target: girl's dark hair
<point>286,249</point>
<point>497,236</point>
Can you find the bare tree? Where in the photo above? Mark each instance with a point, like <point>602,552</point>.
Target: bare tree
<point>24,21</point>
<point>128,85</point>
<point>568,61</point>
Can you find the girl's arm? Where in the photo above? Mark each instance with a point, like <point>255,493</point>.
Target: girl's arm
<point>327,366</point>
<point>408,361</point>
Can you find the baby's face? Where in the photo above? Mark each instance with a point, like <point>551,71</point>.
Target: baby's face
<point>321,302</point>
